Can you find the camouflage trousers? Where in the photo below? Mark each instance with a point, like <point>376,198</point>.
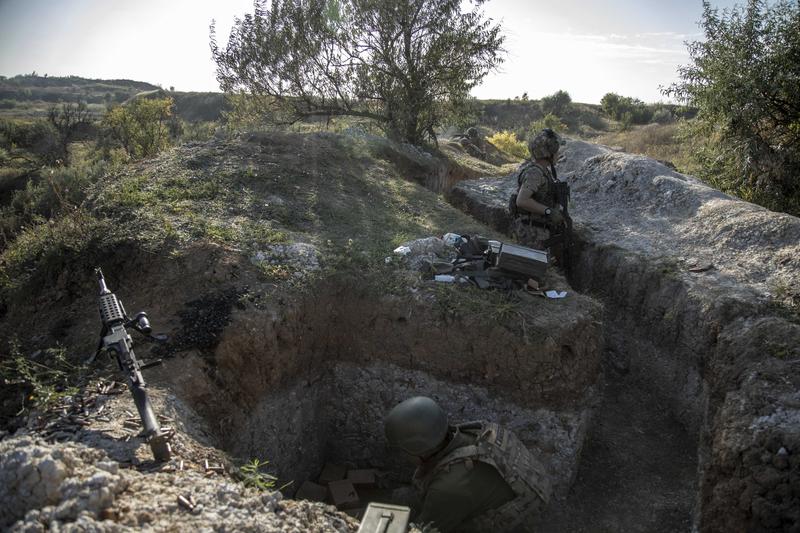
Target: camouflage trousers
<point>530,235</point>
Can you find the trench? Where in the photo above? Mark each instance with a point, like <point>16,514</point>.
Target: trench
<point>614,411</point>
<point>307,384</point>
<point>640,468</point>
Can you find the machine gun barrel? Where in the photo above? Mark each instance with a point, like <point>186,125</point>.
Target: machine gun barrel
<point>102,281</point>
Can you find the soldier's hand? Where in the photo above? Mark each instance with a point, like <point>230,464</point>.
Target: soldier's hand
<point>556,218</point>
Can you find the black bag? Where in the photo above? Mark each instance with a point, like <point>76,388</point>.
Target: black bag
<point>512,204</point>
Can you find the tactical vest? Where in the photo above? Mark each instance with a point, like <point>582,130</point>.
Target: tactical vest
<point>548,175</point>
<point>512,201</point>
<point>501,449</point>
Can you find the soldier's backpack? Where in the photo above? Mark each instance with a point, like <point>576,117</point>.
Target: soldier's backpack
<point>525,475</point>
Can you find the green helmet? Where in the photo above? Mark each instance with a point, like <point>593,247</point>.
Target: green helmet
<point>545,144</point>
<point>417,426</point>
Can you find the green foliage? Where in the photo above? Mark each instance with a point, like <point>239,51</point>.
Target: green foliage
<point>30,144</point>
<point>403,64</point>
<point>67,120</point>
<point>743,78</point>
<point>42,380</point>
<point>663,116</point>
<point>55,89</point>
<point>465,115</point>
<point>141,126</point>
<point>252,475</point>
<point>626,109</point>
<point>557,103</point>
<point>46,247</point>
<point>50,193</point>
<point>507,142</point>
<point>548,121</point>
<point>197,131</point>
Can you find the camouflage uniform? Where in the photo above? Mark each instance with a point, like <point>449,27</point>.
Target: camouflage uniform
<point>470,141</point>
<point>485,479</point>
<point>529,229</point>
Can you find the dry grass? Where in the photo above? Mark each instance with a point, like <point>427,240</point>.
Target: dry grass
<point>659,141</point>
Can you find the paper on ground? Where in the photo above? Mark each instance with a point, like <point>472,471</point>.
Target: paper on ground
<point>556,294</point>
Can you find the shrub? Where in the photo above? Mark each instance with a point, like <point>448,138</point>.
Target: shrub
<point>51,192</point>
<point>507,142</point>
<point>252,475</point>
<point>44,381</point>
<point>548,121</point>
<point>34,143</point>
<point>557,103</point>
<point>743,80</point>
<point>663,116</point>
<point>616,107</point>
<point>141,126</point>
<point>68,246</point>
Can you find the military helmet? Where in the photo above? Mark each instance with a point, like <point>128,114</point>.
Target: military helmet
<point>417,426</point>
<point>545,144</point>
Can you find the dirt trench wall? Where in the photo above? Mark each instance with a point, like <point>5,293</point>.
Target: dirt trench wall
<point>339,419</point>
<point>692,280</point>
<point>310,382</point>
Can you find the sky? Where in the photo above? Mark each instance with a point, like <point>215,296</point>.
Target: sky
<point>587,48</point>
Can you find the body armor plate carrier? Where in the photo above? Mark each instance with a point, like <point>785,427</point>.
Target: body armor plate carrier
<point>525,475</point>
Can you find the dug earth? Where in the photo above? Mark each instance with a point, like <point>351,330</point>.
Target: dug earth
<point>701,295</point>
<point>290,351</point>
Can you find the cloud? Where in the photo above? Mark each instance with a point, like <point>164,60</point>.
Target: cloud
<point>588,64</point>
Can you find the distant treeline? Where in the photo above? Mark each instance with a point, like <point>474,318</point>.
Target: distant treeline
<point>53,89</point>
<point>20,91</point>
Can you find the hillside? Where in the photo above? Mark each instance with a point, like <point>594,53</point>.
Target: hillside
<point>30,96</point>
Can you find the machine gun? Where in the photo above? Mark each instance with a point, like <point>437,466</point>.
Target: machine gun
<point>114,338</point>
<point>561,236</point>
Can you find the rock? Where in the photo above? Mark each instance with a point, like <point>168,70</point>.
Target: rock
<point>422,253</point>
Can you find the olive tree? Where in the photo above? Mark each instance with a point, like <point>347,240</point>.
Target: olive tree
<point>402,63</point>
<point>744,78</point>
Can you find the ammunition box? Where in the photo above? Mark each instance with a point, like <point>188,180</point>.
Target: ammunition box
<point>385,518</point>
<point>522,261</point>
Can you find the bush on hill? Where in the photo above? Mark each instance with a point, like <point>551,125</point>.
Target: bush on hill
<point>507,141</point>
<point>743,78</point>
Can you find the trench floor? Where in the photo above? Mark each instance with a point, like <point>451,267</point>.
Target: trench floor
<point>637,472</point>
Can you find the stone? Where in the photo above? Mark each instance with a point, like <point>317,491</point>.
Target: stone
<point>343,494</point>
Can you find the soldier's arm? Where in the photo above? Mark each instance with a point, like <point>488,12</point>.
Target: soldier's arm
<point>531,183</point>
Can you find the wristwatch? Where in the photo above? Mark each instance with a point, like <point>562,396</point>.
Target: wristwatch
<point>547,212</point>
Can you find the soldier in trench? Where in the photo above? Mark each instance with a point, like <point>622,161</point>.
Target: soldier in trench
<point>471,142</point>
<point>535,207</point>
<point>476,476</point>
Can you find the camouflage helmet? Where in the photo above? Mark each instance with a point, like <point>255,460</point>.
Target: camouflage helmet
<point>545,144</point>
<point>417,426</point>
<point>472,132</point>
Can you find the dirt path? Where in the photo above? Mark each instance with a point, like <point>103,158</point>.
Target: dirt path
<point>638,470</point>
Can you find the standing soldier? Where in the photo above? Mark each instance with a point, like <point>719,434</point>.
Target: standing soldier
<point>536,207</point>
<point>471,477</point>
